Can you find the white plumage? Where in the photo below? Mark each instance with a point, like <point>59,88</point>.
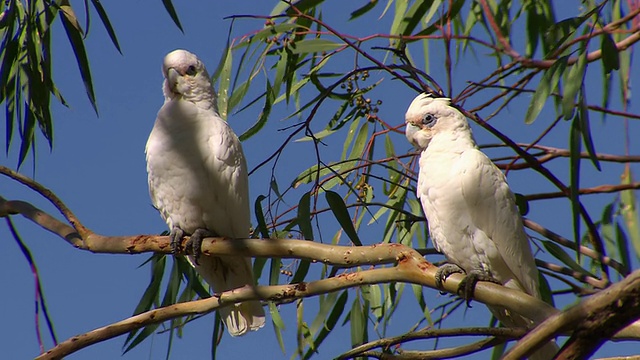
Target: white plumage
<point>198,180</point>
<point>472,214</point>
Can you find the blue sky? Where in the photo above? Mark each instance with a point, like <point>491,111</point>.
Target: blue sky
<point>97,167</point>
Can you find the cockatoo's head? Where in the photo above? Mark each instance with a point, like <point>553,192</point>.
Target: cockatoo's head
<point>186,77</point>
<point>428,116</point>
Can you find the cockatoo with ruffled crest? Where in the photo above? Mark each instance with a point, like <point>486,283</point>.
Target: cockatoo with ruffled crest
<point>472,214</point>
<point>198,180</point>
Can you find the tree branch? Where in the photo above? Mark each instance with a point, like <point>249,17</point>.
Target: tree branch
<point>498,336</point>
<point>49,195</point>
<point>593,322</point>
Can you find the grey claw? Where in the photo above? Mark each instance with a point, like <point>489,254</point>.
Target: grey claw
<point>468,284</point>
<point>176,240</point>
<point>444,271</point>
<point>195,243</point>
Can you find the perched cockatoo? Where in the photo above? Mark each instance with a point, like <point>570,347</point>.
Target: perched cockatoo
<point>198,180</point>
<point>472,214</point>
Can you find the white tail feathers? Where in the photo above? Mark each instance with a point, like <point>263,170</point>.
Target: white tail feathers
<point>228,273</point>
<point>241,318</point>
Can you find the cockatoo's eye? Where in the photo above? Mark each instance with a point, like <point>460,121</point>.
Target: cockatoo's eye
<point>429,120</point>
<point>191,70</point>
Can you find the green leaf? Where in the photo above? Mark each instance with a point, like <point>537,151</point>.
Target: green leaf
<point>610,57</point>
<point>271,30</point>
<point>629,210</point>
<point>349,138</point>
<point>585,128</point>
<point>74,33</point>
<point>168,5</point>
<point>559,32</point>
<point>547,85</point>
<point>224,83</point>
<point>304,224</point>
<point>107,24</point>
<point>545,289</point>
<point>358,322</point>
<point>261,228</point>
<point>561,255</point>
<point>303,6</point>
<point>314,45</point>
<point>217,328</point>
<point>330,322</point>
<point>436,25</point>
<point>357,150</point>
<point>264,115</point>
<point>27,135</point>
<point>237,95</point>
<point>341,214</point>
<point>534,29</point>
<point>413,17</point>
<point>574,170</point>
<point>623,249</point>
<point>274,273</point>
<point>304,216</point>
<point>375,301</point>
<point>149,297</point>
<point>417,292</point>
<point>573,83</point>
<point>278,324</point>
<point>523,204</point>
<point>363,10</point>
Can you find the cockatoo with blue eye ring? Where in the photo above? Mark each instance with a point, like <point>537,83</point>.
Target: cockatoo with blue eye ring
<point>198,180</point>
<point>472,215</point>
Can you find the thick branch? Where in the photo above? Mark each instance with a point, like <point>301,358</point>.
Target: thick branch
<point>499,335</point>
<point>410,267</point>
<point>49,195</point>
<point>449,353</point>
<point>593,321</point>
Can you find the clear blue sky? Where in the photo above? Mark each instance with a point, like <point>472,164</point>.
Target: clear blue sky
<point>98,168</point>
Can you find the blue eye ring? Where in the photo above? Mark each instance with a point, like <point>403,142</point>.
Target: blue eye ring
<point>429,120</point>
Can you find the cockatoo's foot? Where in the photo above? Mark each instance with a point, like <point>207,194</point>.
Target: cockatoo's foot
<point>468,284</point>
<point>444,271</point>
<point>176,240</point>
<point>195,242</point>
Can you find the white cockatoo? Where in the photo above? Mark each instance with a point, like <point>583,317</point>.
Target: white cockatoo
<point>472,214</point>
<point>198,180</point>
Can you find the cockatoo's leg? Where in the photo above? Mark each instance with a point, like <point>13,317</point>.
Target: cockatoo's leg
<point>444,271</point>
<point>176,239</point>
<point>468,284</point>
<point>195,242</point>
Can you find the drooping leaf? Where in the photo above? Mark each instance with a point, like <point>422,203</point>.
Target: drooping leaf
<point>629,210</point>
<point>574,80</point>
<point>561,255</point>
<point>264,115</point>
<point>363,9</point>
<point>358,322</point>
<point>314,45</point>
<point>278,324</point>
<point>574,175</point>
<point>610,57</point>
<point>341,214</point>
<point>547,85</point>
<point>168,5</point>
<point>107,23</point>
<point>330,322</point>
<point>74,33</point>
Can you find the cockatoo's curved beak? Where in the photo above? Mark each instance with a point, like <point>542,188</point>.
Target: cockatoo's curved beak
<point>173,77</point>
<point>410,131</point>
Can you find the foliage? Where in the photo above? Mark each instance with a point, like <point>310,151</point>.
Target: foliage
<point>299,60</point>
